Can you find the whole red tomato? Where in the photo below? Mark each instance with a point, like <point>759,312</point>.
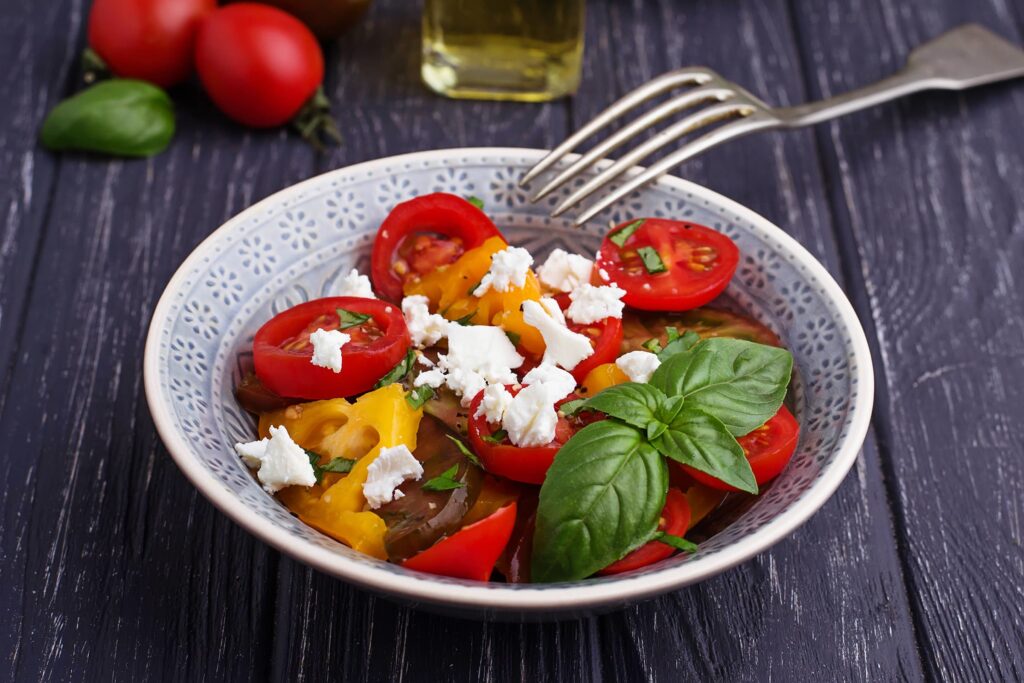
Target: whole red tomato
<point>259,65</point>
<point>152,40</point>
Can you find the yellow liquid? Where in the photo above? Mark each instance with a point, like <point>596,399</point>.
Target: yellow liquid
<point>528,50</point>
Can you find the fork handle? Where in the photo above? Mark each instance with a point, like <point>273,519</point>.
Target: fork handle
<point>965,57</point>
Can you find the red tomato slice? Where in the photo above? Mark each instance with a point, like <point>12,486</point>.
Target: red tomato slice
<point>768,449</point>
<point>423,234</point>
<point>528,464</point>
<point>282,352</point>
<point>675,518</point>
<point>605,337</point>
<point>698,261</point>
<point>471,552</point>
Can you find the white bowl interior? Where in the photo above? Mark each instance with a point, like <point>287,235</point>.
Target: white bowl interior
<point>297,244</point>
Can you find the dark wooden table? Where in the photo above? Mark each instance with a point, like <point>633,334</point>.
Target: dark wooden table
<point>113,567</point>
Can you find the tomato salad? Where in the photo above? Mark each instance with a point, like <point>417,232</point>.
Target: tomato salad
<point>468,415</point>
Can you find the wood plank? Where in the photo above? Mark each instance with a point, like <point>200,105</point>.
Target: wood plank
<point>926,193</point>
<point>113,564</point>
<point>829,602</point>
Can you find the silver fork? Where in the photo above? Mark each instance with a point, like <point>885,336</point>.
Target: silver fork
<point>965,57</point>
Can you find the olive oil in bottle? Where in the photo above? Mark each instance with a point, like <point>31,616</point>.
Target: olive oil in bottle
<point>528,50</point>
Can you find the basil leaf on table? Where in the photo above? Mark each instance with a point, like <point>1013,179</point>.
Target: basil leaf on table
<point>701,441</point>
<point>631,402</point>
<point>601,499</point>
<point>124,117</point>
<point>739,382</point>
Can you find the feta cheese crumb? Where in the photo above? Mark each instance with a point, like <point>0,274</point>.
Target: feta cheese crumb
<point>478,356</point>
<point>327,348</point>
<point>531,418</point>
<point>592,304</point>
<point>603,274</point>
<point>494,404</point>
<point>561,382</point>
<point>389,469</point>
<point>638,365</point>
<point>281,461</point>
<point>355,284</point>
<point>563,346</point>
<point>425,328</point>
<point>508,269</point>
<point>564,271</point>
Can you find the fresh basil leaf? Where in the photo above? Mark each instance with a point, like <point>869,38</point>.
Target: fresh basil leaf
<point>445,481</point>
<point>476,201</point>
<point>467,319</point>
<point>676,542</point>
<point>124,117</point>
<point>672,333</point>
<point>701,441</point>
<point>652,260</point>
<point>601,499</point>
<point>653,345</point>
<point>418,396</point>
<point>336,465</point>
<point>351,318</point>
<point>739,382</point>
<point>677,343</point>
<point>570,408</point>
<point>397,373</point>
<point>631,402</point>
<point>619,237</point>
<point>465,450</point>
<point>496,437</point>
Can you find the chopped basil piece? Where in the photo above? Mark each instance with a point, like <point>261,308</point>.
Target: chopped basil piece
<point>467,319</point>
<point>513,337</point>
<point>446,481</point>
<point>652,345</point>
<point>464,449</point>
<point>469,292</point>
<point>619,238</point>
<point>351,318</point>
<point>418,396</point>
<point>476,201</point>
<point>672,332</point>
<point>497,436</point>
<point>570,408</point>
<point>336,465</point>
<point>397,373</point>
<point>676,542</point>
<point>652,260</point>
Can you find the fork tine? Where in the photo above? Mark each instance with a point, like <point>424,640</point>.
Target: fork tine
<point>652,88</point>
<point>684,101</point>
<point>677,130</point>
<point>730,131</point>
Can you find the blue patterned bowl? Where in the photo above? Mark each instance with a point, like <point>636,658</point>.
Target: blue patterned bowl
<point>297,245</point>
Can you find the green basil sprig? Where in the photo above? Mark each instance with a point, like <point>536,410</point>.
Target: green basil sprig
<point>124,117</point>
<point>605,490</point>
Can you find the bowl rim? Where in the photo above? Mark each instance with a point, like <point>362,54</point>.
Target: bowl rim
<point>551,598</point>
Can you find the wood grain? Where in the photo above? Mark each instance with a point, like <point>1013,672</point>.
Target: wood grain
<point>925,194</point>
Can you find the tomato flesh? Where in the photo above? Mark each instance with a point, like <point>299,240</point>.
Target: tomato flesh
<point>768,448</point>
<point>698,264</point>
<point>675,520</point>
<point>639,327</point>
<point>527,464</point>
<point>424,234</point>
<point>282,352</point>
<point>471,552</point>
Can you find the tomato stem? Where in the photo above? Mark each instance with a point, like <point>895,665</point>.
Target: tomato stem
<point>94,68</point>
<point>315,123</point>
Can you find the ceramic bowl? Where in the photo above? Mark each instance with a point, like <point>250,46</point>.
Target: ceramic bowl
<point>297,245</point>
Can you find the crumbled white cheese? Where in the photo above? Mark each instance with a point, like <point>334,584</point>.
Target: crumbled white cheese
<point>561,382</point>
<point>423,360</point>
<point>638,365</point>
<point>564,271</point>
<point>592,304</point>
<point>425,328</point>
<point>603,274</point>
<point>355,284</point>
<point>563,346</point>
<point>508,269</point>
<point>389,469</point>
<point>494,404</point>
<point>478,356</point>
<point>281,461</point>
<point>327,348</point>
<point>531,418</point>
